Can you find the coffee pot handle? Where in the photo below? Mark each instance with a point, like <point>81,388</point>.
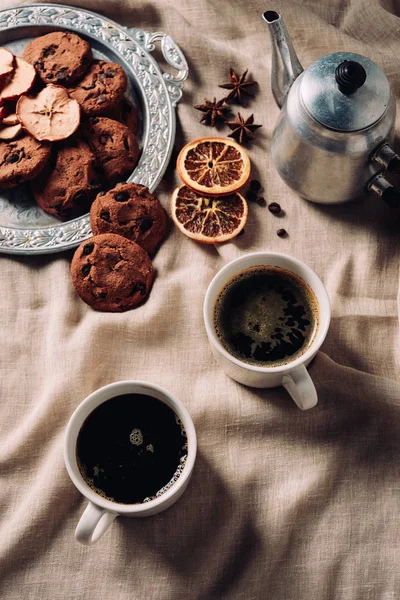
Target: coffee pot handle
<point>381,186</point>
<point>93,524</point>
<point>387,157</point>
<point>299,385</point>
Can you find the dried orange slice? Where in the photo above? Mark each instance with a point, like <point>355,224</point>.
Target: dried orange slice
<point>215,166</point>
<point>208,219</point>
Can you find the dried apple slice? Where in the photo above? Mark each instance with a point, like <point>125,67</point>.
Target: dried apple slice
<point>19,82</point>
<point>9,133</point>
<point>10,119</point>
<point>50,116</point>
<point>7,64</point>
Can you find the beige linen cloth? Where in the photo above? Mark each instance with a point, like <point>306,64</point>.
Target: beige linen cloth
<point>283,505</point>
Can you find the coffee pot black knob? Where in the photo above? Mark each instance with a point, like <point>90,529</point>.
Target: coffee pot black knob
<point>350,76</point>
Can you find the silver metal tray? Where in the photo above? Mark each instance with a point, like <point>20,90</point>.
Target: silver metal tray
<point>24,227</point>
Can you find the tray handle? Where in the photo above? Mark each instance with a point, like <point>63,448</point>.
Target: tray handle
<point>174,57</point>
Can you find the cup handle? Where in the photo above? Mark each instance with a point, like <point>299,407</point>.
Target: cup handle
<point>93,524</point>
<point>299,385</point>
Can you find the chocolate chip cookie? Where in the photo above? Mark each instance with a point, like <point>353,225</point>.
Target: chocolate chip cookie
<point>101,89</point>
<point>21,160</point>
<point>114,145</point>
<point>59,57</point>
<point>127,114</point>
<point>68,184</point>
<point>132,211</point>
<point>111,273</point>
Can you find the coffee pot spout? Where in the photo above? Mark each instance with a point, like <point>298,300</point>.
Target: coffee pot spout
<point>286,66</point>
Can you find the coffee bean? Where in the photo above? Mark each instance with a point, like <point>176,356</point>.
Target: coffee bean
<point>86,269</point>
<point>274,208</point>
<point>88,248</point>
<point>105,215</point>
<point>121,196</point>
<point>144,224</point>
<point>255,185</point>
<point>281,233</point>
<point>12,158</point>
<point>261,201</point>
<point>251,196</point>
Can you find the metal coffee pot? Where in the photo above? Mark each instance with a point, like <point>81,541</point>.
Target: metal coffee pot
<point>333,139</point>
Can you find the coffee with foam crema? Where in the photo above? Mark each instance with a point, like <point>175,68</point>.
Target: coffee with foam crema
<point>266,316</point>
<point>131,449</point>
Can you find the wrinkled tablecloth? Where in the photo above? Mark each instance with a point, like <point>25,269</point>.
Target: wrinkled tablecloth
<point>283,505</point>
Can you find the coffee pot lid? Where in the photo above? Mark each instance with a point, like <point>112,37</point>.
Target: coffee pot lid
<point>345,91</point>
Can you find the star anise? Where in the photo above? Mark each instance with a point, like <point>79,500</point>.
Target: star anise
<point>238,86</point>
<point>242,129</point>
<point>213,111</point>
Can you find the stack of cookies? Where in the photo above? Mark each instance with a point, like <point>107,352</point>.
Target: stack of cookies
<point>74,131</point>
<point>67,128</point>
<point>112,271</point>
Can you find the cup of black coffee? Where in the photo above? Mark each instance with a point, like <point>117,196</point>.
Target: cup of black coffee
<point>266,315</point>
<point>130,449</point>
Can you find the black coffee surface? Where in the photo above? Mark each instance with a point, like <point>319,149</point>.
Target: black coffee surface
<point>131,448</point>
<point>266,316</point>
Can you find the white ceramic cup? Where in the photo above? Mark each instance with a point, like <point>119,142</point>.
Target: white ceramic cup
<point>100,512</point>
<point>293,376</point>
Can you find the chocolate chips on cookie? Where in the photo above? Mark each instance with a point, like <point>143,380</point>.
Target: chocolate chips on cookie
<point>114,145</point>
<point>59,57</point>
<point>101,89</point>
<point>21,160</point>
<point>111,273</point>
<point>132,211</point>
<point>68,184</point>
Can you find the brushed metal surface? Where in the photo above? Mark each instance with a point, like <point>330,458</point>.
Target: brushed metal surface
<point>24,227</point>
<point>321,164</point>
<point>325,143</point>
<point>286,66</point>
<point>336,110</point>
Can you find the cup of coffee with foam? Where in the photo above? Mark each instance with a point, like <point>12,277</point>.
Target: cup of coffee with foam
<point>130,449</point>
<point>266,315</point>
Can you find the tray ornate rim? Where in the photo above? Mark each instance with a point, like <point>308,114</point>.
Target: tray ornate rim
<point>160,94</point>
